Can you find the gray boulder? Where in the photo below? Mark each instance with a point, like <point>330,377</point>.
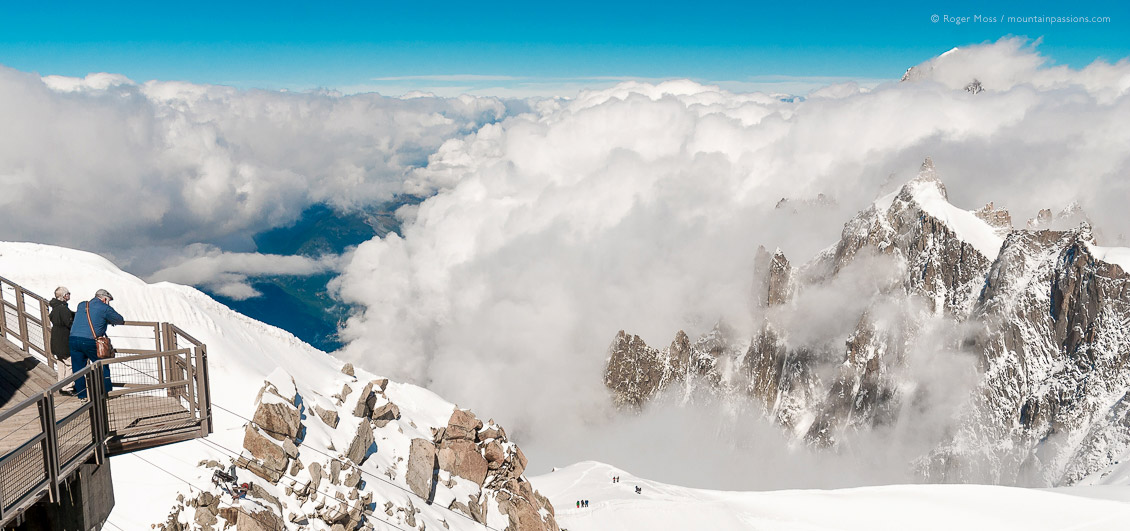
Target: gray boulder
<point>463,425</point>
<point>268,452</point>
<point>462,458</point>
<point>278,419</point>
<point>384,414</point>
<point>328,416</point>
<point>366,400</point>
<point>421,473</point>
<point>362,441</point>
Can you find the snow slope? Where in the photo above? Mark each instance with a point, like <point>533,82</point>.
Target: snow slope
<point>243,354</point>
<point>1119,256</point>
<point>965,224</point>
<point>929,194</point>
<point>896,507</point>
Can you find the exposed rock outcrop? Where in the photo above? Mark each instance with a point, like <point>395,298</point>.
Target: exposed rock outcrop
<point>328,416</point>
<point>362,444</point>
<point>422,468</point>
<point>1056,361</point>
<point>278,419</point>
<point>267,452</point>
<point>1040,316</point>
<point>310,485</point>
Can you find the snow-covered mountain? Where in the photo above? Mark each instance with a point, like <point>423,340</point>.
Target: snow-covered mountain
<point>330,450</point>
<point>322,444</point>
<point>1000,352</point>
<point>658,506</point>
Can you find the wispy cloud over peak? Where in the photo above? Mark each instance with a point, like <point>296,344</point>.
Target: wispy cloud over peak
<point>641,206</point>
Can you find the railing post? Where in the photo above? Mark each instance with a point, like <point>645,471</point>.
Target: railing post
<point>3,312</point>
<point>157,336</point>
<point>51,443</point>
<point>192,396</point>
<point>168,338</point>
<point>21,318</point>
<point>164,368</point>
<point>45,318</point>
<point>203,389</point>
<point>99,412</point>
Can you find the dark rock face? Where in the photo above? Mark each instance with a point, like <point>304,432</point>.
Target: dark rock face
<point>1054,352</point>
<point>772,278</point>
<point>636,372</point>
<point>939,266</point>
<point>1042,320</point>
<point>998,219</point>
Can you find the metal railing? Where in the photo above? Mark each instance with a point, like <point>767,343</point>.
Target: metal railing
<point>159,395</point>
<point>44,440</point>
<point>24,321</point>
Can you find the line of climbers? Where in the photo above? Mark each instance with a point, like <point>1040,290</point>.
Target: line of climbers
<point>615,479</point>
<point>78,339</point>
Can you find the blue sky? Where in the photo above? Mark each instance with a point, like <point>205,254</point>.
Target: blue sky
<point>378,45</point>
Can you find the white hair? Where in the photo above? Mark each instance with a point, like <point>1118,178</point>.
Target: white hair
<point>61,292</point>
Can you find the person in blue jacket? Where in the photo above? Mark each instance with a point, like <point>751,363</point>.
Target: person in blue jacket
<point>84,348</point>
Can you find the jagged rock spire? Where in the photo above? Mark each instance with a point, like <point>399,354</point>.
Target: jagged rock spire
<point>927,169</point>
<point>927,173</point>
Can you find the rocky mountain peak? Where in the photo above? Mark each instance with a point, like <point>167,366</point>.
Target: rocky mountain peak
<point>927,174</point>
<point>1067,218</point>
<point>772,278</point>
<point>998,218</point>
<point>913,73</point>
<point>1038,314</point>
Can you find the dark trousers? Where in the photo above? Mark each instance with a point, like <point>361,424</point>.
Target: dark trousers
<point>84,351</point>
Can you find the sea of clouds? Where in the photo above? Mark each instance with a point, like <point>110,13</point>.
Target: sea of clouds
<point>641,207</point>
<point>159,173</point>
<point>550,224</point>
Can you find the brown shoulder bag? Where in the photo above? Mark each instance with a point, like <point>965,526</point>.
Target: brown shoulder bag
<point>105,348</point>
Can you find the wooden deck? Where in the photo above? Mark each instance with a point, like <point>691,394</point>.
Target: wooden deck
<point>25,425</point>
<point>160,396</point>
<point>141,421</point>
<point>131,417</point>
<point>21,375</point>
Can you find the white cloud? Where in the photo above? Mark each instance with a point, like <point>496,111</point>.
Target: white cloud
<point>635,206</point>
<point>526,87</point>
<point>228,273</point>
<point>640,207</point>
<point>448,77</point>
<point>117,166</point>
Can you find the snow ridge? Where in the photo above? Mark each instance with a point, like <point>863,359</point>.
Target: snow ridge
<point>916,280</point>
<point>252,363</point>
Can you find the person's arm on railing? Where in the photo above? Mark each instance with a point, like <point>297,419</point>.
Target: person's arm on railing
<point>113,317</point>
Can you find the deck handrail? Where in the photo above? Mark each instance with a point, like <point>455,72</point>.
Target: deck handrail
<point>30,332</point>
<point>40,462</point>
<point>161,396</point>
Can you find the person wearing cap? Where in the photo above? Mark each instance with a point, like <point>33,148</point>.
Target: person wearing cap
<point>61,318</point>
<point>84,332</point>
